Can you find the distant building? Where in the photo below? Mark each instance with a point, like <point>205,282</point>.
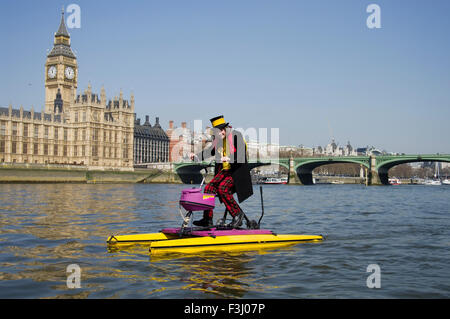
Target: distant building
<point>331,149</point>
<point>262,151</point>
<point>317,151</point>
<point>368,151</point>
<point>375,152</point>
<point>348,150</point>
<point>151,143</point>
<point>181,142</point>
<point>362,151</point>
<point>295,151</point>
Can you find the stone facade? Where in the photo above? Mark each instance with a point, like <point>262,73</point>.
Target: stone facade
<point>151,143</point>
<point>82,129</point>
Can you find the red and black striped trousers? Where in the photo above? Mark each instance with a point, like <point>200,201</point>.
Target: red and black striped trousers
<point>222,185</point>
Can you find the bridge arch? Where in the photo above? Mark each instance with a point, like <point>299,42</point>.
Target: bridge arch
<point>305,166</point>
<point>384,164</point>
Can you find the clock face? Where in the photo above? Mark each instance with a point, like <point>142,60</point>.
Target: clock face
<point>52,72</point>
<point>69,73</point>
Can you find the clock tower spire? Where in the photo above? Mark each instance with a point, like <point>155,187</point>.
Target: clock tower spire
<point>61,71</point>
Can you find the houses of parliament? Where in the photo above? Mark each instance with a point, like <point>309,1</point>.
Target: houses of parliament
<point>78,129</point>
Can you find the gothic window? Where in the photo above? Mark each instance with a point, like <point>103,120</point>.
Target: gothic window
<point>14,129</point>
<point>3,128</point>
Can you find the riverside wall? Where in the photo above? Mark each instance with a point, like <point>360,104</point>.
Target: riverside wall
<point>10,173</point>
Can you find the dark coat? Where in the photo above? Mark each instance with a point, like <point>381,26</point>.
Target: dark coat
<point>240,171</point>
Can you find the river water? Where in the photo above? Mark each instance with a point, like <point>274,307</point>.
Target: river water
<point>404,230</point>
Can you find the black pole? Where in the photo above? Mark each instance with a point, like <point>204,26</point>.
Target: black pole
<point>262,205</point>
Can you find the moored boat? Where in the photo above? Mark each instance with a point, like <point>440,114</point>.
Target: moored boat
<point>394,181</point>
<point>432,182</point>
<point>436,181</point>
<point>275,180</point>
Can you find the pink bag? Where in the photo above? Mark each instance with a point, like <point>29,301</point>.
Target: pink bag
<point>192,199</point>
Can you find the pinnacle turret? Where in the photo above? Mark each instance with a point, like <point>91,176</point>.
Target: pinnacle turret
<point>62,41</point>
<point>62,30</point>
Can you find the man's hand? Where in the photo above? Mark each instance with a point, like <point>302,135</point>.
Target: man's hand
<point>192,156</point>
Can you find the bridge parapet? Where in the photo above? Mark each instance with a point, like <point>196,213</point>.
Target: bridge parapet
<point>393,160</point>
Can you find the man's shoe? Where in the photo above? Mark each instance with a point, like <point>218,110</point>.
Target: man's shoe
<point>237,220</point>
<point>204,222</point>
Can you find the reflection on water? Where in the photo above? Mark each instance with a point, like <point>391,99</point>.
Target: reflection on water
<point>219,274</point>
<point>63,211</point>
<point>46,227</point>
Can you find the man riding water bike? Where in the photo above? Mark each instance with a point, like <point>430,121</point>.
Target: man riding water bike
<point>232,173</point>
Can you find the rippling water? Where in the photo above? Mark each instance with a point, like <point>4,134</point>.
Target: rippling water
<point>403,229</point>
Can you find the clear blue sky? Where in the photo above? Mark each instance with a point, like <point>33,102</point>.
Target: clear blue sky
<point>311,68</point>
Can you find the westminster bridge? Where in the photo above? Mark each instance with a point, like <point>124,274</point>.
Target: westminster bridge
<point>301,168</point>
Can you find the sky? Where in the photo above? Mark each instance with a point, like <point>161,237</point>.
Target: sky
<point>310,68</point>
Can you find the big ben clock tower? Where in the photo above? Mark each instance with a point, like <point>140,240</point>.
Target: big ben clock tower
<point>61,73</point>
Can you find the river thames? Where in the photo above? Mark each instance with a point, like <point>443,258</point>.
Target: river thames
<point>404,230</point>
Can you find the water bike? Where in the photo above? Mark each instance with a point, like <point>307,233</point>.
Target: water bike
<point>219,237</point>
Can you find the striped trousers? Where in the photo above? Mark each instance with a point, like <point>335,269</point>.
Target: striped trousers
<point>222,185</point>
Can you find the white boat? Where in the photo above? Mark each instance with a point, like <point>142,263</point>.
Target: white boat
<point>433,182</point>
<point>446,181</point>
<point>436,180</point>
<point>276,180</point>
<point>394,181</point>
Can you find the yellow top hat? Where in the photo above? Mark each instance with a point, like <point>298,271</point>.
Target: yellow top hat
<point>219,122</point>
